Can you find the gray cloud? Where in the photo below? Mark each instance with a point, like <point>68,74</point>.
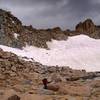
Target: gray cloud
<point>50,13</point>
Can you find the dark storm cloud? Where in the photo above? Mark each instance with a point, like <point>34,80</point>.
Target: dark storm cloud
<point>31,2</point>
<point>49,13</point>
<point>77,8</point>
<point>83,7</point>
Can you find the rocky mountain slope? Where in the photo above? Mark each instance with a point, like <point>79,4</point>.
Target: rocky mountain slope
<point>13,33</point>
<point>9,25</point>
<point>22,80</point>
<point>89,28</point>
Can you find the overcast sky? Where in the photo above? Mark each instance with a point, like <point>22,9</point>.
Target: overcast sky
<point>52,13</point>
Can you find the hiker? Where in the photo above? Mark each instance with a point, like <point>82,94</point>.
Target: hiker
<point>45,82</point>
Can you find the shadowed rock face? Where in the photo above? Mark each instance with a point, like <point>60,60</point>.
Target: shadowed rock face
<point>9,25</point>
<point>86,27</point>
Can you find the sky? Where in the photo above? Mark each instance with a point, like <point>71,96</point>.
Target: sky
<point>52,13</point>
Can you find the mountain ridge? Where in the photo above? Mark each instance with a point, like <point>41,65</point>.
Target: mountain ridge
<point>10,25</point>
<point>21,77</point>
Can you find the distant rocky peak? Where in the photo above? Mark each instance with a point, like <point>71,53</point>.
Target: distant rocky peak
<point>88,21</point>
<point>86,27</point>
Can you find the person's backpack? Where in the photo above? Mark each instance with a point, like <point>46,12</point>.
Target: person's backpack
<point>44,81</point>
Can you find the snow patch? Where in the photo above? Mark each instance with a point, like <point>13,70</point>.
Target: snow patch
<point>16,35</point>
<point>78,52</point>
<point>13,21</point>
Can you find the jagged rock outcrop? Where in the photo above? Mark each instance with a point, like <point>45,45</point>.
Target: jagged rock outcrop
<point>9,27</point>
<point>14,34</point>
<point>86,27</point>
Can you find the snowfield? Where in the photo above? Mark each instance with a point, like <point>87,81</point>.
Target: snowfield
<point>78,52</point>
